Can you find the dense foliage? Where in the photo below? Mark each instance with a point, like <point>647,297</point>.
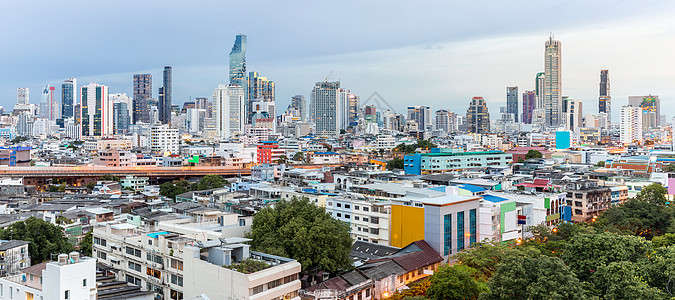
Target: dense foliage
<point>411,148</point>
<point>45,239</point>
<point>305,232</point>
<point>533,154</point>
<point>628,252</point>
<point>395,163</point>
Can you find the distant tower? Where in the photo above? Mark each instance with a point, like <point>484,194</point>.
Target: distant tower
<point>238,62</point>
<point>68,97</point>
<point>605,100</point>
<point>228,110</point>
<point>96,111</point>
<point>260,89</point>
<point>477,116</point>
<point>165,96</point>
<point>529,101</point>
<point>141,97</point>
<point>298,102</point>
<point>512,101</point>
<point>553,83</point>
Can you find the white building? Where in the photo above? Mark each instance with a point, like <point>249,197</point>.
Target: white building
<point>96,110</point>
<point>630,124</point>
<point>71,277</point>
<point>573,115</point>
<point>228,110</point>
<point>164,139</point>
<point>329,108</point>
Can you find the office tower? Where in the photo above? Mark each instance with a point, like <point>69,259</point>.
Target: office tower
<point>187,105</point>
<point>47,104</point>
<point>553,83</point>
<point>651,110</point>
<point>529,102</point>
<point>512,101</point>
<point>238,62</point>
<point>421,115</point>
<point>353,109</point>
<point>445,121</point>
<point>24,124</point>
<point>573,114</point>
<point>22,96</point>
<point>204,103</point>
<point>68,97</point>
<point>142,94</point>
<point>228,110</point>
<point>605,100</point>
<point>164,107</point>
<point>477,116</point>
<point>259,89</point>
<point>370,115</point>
<point>298,102</point>
<point>630,125</point>
<point>96,111</point>
<point>327,101</point>
<point>121,117</point>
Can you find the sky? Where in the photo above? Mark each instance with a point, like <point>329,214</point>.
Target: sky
<point>435,53</point>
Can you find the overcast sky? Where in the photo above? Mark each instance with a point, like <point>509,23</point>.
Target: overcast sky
<point>436,53</point>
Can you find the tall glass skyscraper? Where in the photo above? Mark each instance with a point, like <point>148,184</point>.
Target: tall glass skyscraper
<point>477,116</point>
<point>605,100</point>
<point>512,101</point>
<point>165,97</point>
<point>528,106</point>
<point>259,89</point>
<point>68,97</point>
<point>238,62</point>
<point>553,83</point>
<point>142,94</point>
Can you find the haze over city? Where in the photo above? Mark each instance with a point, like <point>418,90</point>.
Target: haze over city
<point>433,53</point>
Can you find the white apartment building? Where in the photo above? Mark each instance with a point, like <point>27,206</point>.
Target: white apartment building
<point>107,144</point>
<point>164,138</point>
<point>228,110</point>
<point>70,277</point>
<point>13,256</point>
<point>630,124</point>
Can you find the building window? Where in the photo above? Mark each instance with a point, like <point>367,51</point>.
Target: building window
<point>84,282</point>
<point>257,290</point>
<point>177,280</point>
<point>472,227</point>
<point>447,234</point>
<point>356,207</point>
<point>67,294</point>
<point>460,231</point>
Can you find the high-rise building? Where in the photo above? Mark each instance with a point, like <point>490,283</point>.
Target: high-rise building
<point>329,108</point>
<point>445,121</point>
<point>298,102</point>
<point>228,110</point>
<point>22,96</point>
<point>48,106</point>
<point>477,116</point>
<point>142,95</point>
<point>370,115</point>
<point>23,102</point>
<point>512,101</point>
<point>630,125</point>
<point>238,62</point>
<point>96,111</point>
<point>164,138</point>
<point>68,97</point>
<point>121,119</point>
<point>573,114</point>
<point>421,115</point>
<point>165,95</point>
<point>353,109</point>
<point>553,83</point>
<point>529,102</point>
<point>651,110</point>
<point>259,89</point>
<point>605,100</point>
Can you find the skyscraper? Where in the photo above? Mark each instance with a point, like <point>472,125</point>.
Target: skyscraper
<point>529,101</point>
<point>238,62</point>
<point>421,115</point>
<point>260,89</point>
<point>445,121</point>
<point>605,100</point>
<point>512,101</point>
<point>68,97</point>
<point>573,114</point>
<point>370,115</point>
<point>328,107</point>
<point>630,125</point>
<point>553,83</point>
<point>22,96</point>
<point>651,110</point>
<point>298,102</point>
<point>477,116</point>
<point>228,110</point>
<point>142,94</point>
<point>121,118</point>
<point>165,97</point>
<point>47,104</point>
<point>96,111</point>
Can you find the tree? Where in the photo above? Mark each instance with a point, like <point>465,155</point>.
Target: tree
<point>533,154</point>
<point>395,163</point>
<point>209,182</point>
<point>299,156</point>
<point>281,160</point>
<point>170,190</point>
<point>623,280</point>
<point>665,240</point>
<point>305,232</point>
<point>86,244</point>
<point>669,168</point>
<point>587,252</point>
<point>110,177</point>
<point>654,193</point>
<point>534,277</point>
<point>639,216</point>
<point>552,241</point>
<point>659,270</point>
<point>45,238</point>
<point>91,185</point>
<point>600,164</point>
<point>456,282</point>
<point>485,256</point>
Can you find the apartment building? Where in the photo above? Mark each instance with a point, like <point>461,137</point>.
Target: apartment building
<point>442,162</point>
<point>13,256</point>
<point>587,200</point>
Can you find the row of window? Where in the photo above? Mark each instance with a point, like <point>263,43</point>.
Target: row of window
<point>273,284</point>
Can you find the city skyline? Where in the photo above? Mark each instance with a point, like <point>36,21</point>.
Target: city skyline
<point>462,65</point>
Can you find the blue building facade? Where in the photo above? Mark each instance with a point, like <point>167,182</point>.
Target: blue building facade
<point>440,162</point>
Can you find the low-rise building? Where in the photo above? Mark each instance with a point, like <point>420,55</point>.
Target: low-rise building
<point>13,256</point>
<point>441,162</point>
